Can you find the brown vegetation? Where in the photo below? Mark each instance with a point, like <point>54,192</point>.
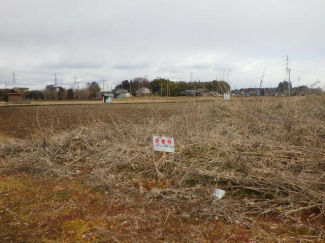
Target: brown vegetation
<point>98,180</point>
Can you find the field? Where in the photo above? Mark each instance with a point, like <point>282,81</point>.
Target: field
<point>88,173</point>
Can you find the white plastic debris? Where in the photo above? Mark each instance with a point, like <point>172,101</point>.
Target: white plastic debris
<point>219,193</point>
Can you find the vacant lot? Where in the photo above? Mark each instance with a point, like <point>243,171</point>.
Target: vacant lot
<point>24,121</point>
<point>87,173</point>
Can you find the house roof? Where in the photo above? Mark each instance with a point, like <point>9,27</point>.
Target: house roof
<point>191,91</point>
<point>13,92</point>
<point>51,88</point>
<point>21,89</point>
<point>120,90</point>
<point>143,90</point>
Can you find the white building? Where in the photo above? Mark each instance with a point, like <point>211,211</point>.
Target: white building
<point>144,92</point>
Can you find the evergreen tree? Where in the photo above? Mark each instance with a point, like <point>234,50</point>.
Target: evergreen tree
<point>93,89</point>
<point>70,94</point>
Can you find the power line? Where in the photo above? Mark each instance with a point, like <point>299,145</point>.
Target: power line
<point>257,71</point>
<point>269,66</point>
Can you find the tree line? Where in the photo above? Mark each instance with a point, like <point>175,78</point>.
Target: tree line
<point>52,92</point>
<point>59,93</point>
<point>166,87</point>
<point>158,86</point>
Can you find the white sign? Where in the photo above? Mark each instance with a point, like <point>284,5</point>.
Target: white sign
<point>226,97</point>
<point>163,144</point>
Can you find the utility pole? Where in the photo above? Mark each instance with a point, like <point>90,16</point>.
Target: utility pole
<point>130,88</point>
<point>169,87</point>
<point>75,82</point>
<point>160,88</point>
<point>194,88</point>
<point>192,82</point>
<point>289,82</point>
<point>14,79</point>
<point>168,91</point>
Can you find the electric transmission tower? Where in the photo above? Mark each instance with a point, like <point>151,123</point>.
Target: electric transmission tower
<point>14,79</point>
<point>194,83</point>
<point>287,75</point>
<point>262,79</point>
<point>55,80</point>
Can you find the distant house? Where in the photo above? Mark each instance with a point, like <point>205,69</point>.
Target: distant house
<point>250,92</point>
<point>269,91</point>
<point>236,92</point>
<point>14,96</point>
<point>210,93</point>
<point>109,93</point>
<point>255,92</point>
<point>144,92</point>
<point>20,89</point>
<point>192,92</point>
<point>53,88</point>
<point>120,93</point>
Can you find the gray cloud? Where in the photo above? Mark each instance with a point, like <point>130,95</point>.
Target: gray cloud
<point>116,40</point>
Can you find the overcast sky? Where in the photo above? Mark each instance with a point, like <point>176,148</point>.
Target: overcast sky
<point>114,40</point>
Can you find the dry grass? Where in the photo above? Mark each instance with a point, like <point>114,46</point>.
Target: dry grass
<point>97,101</point>
<point>268,154</point>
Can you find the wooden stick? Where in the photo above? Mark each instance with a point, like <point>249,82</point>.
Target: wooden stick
<point>164,154</point>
